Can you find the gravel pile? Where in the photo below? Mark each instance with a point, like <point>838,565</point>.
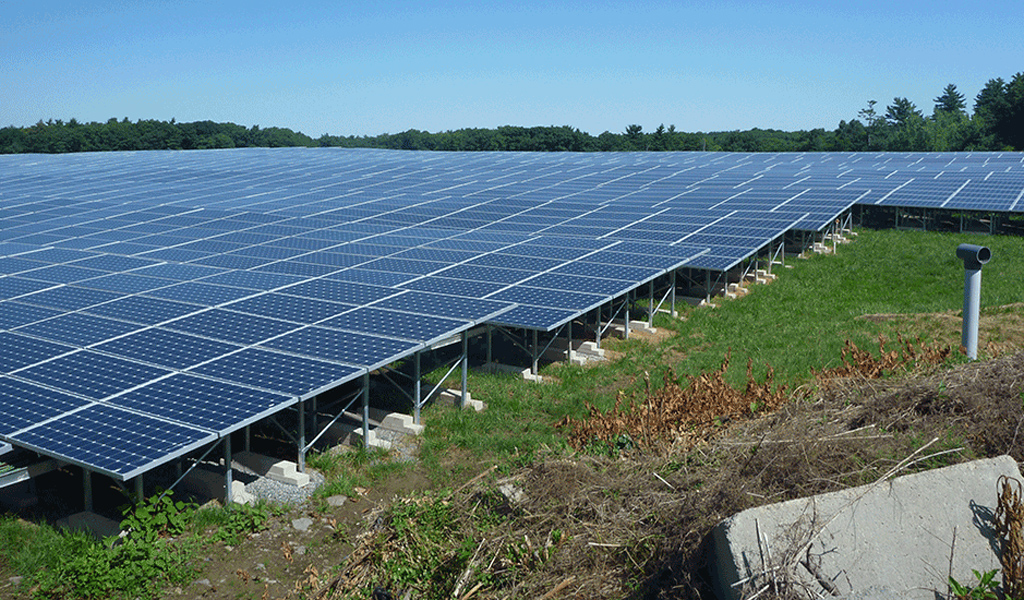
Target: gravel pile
<point>265,488</point>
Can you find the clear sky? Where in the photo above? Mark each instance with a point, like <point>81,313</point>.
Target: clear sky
<point>355,67</point>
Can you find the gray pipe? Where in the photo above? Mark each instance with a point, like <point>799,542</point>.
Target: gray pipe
<point>974,257</point>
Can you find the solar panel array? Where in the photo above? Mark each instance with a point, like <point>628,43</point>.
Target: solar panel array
<point>151,303</point>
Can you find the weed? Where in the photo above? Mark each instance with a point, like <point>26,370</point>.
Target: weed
<point>985,589</point>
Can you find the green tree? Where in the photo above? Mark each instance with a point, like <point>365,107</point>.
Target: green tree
<point>900,112</point>
<point>950,101</point>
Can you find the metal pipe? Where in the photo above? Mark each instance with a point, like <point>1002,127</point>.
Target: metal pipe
<point>301,442</point>
<point>465,370</point>
<point>366,411</point>
<point>417,389</point>
<point>227,470</point>
<point>87,489</point>
<point>974,257</point>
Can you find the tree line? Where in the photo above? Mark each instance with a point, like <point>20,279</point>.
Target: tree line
<point>995,123</point>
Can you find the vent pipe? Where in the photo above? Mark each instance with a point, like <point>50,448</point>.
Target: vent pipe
<point>974,257</point>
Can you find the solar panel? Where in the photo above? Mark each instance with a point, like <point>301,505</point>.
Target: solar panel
<point>275,371</point>
<point>23,404</point>
<point>112,440</point>
<point>382,251</point>
<point>21,351</point>
<point>214,405</point>
<point>170,349</point>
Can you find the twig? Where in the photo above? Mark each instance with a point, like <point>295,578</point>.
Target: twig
<point>600,545</point>
<point>472,591</point>
<point>474,480</point>
<point>559,588</point>
<point>822,580</point>
<point>468,572</point>
<point>663,481</point>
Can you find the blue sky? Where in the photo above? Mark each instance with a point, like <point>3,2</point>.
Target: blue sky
<point>364,68</point>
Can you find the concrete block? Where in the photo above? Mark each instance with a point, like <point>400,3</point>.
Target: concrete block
<point>239,495</point>
<point>395,421</point>
<point>898,533</point>
<point>454,396</point>
<point>91,522</point>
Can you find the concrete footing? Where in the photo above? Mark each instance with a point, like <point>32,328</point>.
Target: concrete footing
<point>906,535</point>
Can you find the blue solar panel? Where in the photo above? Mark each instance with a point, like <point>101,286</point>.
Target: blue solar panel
<point>340,291</point>
<point>69,298</point>
<point>549,298</point>
<point>200,293</point>
<point>453,287</point>
<point>20,351</point>
<point>125,283</point>
<point>486,274</point>
<point>296,309</point>
<point>533,317</point>
<point>396,324</point>
<point>213,405</point>
<point>24,404</point>
<point>112,440</point>
<point>62,274</point>
<point>230,326</point>
<point>284,373</point>
<point>165,348</point>
<point>15,314</point>
<point>12,287</point>
<point>90,374</point>
<point>342,346</point>
<point>78,329</point>
<point>438,305</point>
<point>256,280</point>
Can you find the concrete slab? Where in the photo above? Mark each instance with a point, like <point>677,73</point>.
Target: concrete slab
<point>898,534</point>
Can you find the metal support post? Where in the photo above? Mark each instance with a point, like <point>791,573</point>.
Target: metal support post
<point>650,310</point>
<point>227,470</point>
<point>301,442</point>
<point>625,330</point>
<point>597,330</point>
<point>568,339</point>
<point>417,391</point>
<point>138,489</point>
<point>533,351</point>
<point>87,489</point>
<point>465,369</point>
<point>489,357</point>
<point>366,411</point>
<point>707,285</point>
<point>673,283</point>
<point>248,439</point>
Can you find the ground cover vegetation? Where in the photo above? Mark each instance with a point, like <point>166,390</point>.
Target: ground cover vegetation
<point>603,481</point>
<point>996,123</point>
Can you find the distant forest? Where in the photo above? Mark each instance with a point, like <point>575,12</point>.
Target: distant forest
<point>996,123</point>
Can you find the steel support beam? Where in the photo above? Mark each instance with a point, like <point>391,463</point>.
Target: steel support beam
<point>301,442</point>
<point>465,369</point>
<point>366,411</point>
<point>417,388</point>
<point>87,489</point>
<point>227,470</point>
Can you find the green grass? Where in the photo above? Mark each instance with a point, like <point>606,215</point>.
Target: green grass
<point>797,323</point>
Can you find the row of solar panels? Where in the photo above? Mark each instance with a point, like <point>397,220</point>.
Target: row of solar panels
<point>151,303</point>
